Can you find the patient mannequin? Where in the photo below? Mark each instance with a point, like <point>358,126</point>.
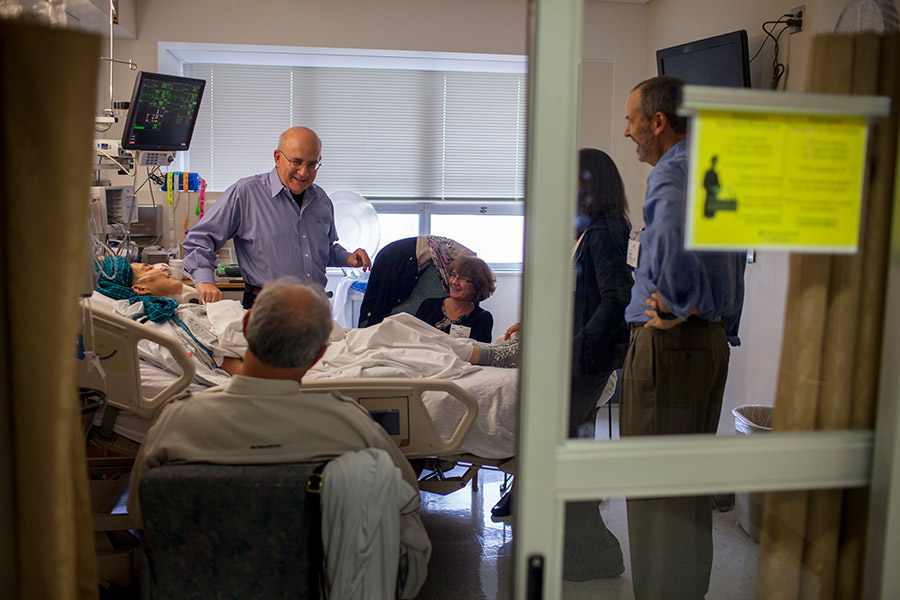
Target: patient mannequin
<point>505,355</point>
<point>154,280</point>
<point>119,279</point>
<point>154,286</point>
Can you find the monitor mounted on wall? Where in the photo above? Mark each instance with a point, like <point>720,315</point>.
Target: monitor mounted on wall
<point>722,60</point>
<point>162,113</point>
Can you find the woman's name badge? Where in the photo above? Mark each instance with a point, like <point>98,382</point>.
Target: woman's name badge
<point>634,248</point>
<point>460,331</point>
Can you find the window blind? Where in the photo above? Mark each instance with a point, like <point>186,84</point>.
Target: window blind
<point>386,133</point>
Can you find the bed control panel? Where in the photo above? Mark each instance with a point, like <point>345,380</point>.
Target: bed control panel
<point>391,413</point>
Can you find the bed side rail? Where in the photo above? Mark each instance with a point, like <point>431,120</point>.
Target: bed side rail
<point>115,340</point>
<point>397,404</point>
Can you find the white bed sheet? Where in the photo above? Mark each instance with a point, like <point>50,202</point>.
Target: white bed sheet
<point>401,346</point>
<point>493,435</point>
<point>404,346</point>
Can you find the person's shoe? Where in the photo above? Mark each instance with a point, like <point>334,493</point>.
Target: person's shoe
<point>503,508</point>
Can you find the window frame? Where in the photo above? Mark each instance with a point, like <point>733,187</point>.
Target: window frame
<point>176,58</point>
<point>426,208</point>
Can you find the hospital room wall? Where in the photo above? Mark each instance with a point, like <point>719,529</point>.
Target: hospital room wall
<point>612,62</point>
<point>483,26</point>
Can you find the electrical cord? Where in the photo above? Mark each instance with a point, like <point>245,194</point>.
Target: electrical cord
<point>777,67</point>
<point>788,20</point>
<point>114,159</point>
<point>156,179</point>
<point>151,176</point>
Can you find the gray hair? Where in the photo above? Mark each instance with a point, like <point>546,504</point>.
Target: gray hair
<point>287,329</point>
<point>663,94</point>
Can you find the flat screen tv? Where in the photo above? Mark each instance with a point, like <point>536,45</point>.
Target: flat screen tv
<point>722,60</point>
<point>162,113</point>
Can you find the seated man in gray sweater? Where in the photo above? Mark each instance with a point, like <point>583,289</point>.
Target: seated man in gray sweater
<point>262,417</point>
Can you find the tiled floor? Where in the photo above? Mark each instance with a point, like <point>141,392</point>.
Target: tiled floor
<point>472,556</point>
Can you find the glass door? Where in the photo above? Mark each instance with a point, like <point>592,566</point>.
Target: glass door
<point>555,470</point>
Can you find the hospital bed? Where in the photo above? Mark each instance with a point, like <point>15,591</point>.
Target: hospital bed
<point>469,420</point>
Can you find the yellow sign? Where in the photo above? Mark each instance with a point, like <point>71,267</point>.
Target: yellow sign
<point>776,181</point>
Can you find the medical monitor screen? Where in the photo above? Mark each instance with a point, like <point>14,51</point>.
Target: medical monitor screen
<point>162,113</point>
<point>722,60</point>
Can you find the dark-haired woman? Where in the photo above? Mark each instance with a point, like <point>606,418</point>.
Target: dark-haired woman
<point>603,283</point>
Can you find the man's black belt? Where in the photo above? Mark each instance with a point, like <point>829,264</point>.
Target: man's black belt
<point>692,320</point>
<point>255,290</point>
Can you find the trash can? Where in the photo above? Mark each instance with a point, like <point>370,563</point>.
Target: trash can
<point>750,419</point>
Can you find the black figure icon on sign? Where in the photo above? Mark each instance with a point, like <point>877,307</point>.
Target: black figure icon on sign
<point>711,185</point>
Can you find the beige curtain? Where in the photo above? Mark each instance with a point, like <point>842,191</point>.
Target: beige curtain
<point>47,103</point>
<point>812,543</point>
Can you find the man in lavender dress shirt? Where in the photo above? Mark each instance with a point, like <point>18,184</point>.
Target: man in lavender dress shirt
<point>282,224</point>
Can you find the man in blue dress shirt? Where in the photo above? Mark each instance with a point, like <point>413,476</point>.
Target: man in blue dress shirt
<point>685,309</point>
<point>282,224</point>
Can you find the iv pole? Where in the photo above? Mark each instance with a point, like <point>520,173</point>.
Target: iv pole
<point>113,18</point>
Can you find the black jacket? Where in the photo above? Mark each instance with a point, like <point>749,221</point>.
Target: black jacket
<point>391,280</point>
<point>603,283</point>
<point>479,320</point>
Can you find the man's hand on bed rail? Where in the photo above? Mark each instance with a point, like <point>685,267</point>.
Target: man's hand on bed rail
<point>209,292</point>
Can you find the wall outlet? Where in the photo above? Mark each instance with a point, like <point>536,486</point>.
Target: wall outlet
<point>797,14</point>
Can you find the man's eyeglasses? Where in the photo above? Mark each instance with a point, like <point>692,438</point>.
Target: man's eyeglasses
<point>298,164</point>
<point>454,275</point>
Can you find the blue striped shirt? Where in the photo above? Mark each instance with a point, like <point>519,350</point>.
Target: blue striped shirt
<point>711,282</point>
<point>273,237</point>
